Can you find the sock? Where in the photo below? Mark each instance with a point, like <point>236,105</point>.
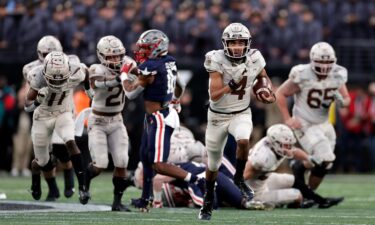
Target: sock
<point>78,169</point>
<point>148,174</point>
<point>210,188</point>
<point>307,192</point>
<point>68,178</point>
<point>119,185</point>
<point>51,182</point>
<point>240,166</point>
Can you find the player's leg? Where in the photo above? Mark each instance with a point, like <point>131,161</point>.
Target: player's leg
<point>118,143</point>
<point>216,137</point>
<point>241,127</point>
<point>40,134</point>
<point>64,127</point>
<point>61,153</point>
<point>50,178</point>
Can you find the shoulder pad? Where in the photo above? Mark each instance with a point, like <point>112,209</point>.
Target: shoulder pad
<point>78,75</point>
<point>96,70</point>
<point>298,72</point>
<point>36,78</point>
<point>214,60</point>
<point>340,73</point>
<point>256,57</point>
<point>74,59</point>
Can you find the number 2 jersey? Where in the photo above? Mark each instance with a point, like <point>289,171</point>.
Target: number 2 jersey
<point>315,97</point>
<point>57,100</point>
<point>108,99</point>
<point>240,99</point>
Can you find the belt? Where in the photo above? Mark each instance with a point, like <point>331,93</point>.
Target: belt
<point>234,112</point>
<point>105,113</point>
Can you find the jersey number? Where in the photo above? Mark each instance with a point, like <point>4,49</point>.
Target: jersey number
<point>314,98</point>
<point>171,76</point>
<point>241,91</point>
<point>111,100</point>
<point>53,96</point>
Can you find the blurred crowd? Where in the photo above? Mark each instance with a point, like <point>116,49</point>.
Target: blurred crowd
<point>283,30</point>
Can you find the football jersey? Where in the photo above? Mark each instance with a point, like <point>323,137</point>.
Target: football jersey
<point>28,67</point>
<point>262,158</point>
<point>239,99</point>
<point>161,89</point>
<point>57,100</point>
<point>109,99</point>
<point>315,97</point>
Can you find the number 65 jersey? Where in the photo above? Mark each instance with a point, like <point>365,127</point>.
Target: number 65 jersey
<point>240,99</point>
<point>313,100</point>
<point>109,99</point>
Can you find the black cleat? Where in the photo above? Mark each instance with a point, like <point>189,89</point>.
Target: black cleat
<point>36,190</point>
<point>120,208</point>
<point>329,202</point>
<point>53,196</point>
<point>246,191</point>
<point>206,210</point>
<point>68,192</point>
<point>84,195</point>
<point>307,203</point>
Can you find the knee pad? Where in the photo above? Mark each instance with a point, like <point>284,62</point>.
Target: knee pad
<point>322,169</point>
<point>49,166</point>
<point>61,153</point>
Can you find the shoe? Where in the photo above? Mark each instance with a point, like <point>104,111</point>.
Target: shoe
<point>307,203</point>
<point>14,172</point>
<point>53,196</point>
<point>120,208</point>
<point>246,191</point>
<point>84,195</point>
<point>255,205</point>
<point>69,192</point>
<point>329,202</point>
<point>142,204</point>
<point>36,190</point>
<point>206,210</point>
<point>26,173</point>
<point>157,204</point>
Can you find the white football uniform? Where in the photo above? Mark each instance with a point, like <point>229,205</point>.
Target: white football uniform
<point>311,107</point>
<point>107,134</point>
<point>269,186</point>
<point>28,67</point>
<point>231,113</point>
<point>55,113</point>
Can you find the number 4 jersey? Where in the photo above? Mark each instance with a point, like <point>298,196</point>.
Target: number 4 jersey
<point>57,100</point>
<point>315,97</point>
<point>109,99</point>
<point>240,99</point>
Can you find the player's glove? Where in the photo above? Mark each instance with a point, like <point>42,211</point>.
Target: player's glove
<point>42,94</point>
<point>175,103</point>
<point>238,72</point>
<point>338,98</point>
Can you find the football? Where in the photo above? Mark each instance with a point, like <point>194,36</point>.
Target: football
<point>261,85</point>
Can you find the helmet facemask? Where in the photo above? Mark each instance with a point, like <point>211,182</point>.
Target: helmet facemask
<point>322,68</point>
<point>151,44</point>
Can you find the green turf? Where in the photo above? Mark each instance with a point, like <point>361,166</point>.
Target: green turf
<point>358,207</point>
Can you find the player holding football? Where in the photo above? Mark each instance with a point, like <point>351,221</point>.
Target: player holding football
<point>232,72</point>
<point>50,95</point>
<point>158,80</point>
<point>106,129</point>
<point>314,87</point>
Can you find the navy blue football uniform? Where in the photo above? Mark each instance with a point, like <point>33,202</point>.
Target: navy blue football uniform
<point>156,134</point>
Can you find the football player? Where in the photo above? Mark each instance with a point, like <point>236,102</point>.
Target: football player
<point>314,87</point>
<point>158,80</point>
<point>50,97</point>
<point>106,129</point>
<point>232,71</point>
<point>46,45</point>
<point>279,188</point>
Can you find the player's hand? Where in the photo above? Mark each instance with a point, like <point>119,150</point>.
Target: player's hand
<point>238,72</point>
<point>339,99</point>
<point>293,123</point>
<point>175,103</point>
<point>266,97</point>
<point>42,94</point>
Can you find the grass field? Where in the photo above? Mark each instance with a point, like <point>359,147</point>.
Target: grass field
<point>357,208</point>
